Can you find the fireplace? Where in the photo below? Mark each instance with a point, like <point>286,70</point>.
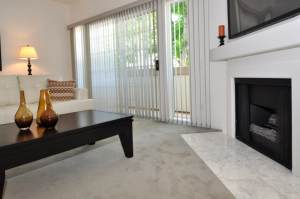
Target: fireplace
<point>264,116</point>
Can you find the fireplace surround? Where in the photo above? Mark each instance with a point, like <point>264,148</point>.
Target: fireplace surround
<point>284,64</point>
<point>264,116</point>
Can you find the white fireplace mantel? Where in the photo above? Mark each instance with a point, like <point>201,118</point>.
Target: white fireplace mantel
<point>279,64</point>
<point>284,35</point>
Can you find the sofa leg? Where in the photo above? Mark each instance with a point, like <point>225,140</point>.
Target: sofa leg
<point>92,143</point>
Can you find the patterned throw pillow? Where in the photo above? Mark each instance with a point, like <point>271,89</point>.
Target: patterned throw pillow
<point>61,90</point>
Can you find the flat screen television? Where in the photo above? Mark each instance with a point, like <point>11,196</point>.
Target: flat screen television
<point>245,16</point>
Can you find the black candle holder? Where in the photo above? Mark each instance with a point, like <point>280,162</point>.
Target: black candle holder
<point>221,40</point>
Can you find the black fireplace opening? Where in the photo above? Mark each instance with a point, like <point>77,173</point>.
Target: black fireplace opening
<point>264,116</point>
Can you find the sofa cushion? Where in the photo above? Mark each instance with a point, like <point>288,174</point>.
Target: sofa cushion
<point>32,84</point>
<point>9,90</point>
<point>8,113</point>
<point>62,90</point>
<point>63,107</point>
<point>81,93</point>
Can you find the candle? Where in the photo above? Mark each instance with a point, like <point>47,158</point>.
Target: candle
<point>221,30</point>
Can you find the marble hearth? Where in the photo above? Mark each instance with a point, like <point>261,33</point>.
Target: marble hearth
<point>279,64</point>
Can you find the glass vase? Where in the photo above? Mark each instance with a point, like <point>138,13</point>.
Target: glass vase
<point>23,117</point>
<point>44,95</point>
<point>49,117</point>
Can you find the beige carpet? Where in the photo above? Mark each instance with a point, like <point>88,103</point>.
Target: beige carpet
<point>163,167</point>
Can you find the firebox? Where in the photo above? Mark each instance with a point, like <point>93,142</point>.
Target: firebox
<point>264,116</point>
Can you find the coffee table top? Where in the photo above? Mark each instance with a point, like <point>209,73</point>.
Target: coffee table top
<point>10,134</point>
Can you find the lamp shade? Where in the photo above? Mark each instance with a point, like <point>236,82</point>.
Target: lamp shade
<point>28,52</point>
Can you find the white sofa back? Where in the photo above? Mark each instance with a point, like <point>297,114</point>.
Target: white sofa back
<point>10,86</point>
<point>9,90</point>
<point>32,84</point>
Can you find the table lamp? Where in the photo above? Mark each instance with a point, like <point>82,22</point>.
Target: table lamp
<point>28,52</point>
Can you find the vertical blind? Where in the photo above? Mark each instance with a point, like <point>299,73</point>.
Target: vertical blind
<point>80,56</point>
<point>115,59</point>
<point>198,66</point>
<point>178,28</point>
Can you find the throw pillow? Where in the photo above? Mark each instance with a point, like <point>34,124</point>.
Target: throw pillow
<point>62,90</point>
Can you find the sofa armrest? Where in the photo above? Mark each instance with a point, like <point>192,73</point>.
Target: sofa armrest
<point>81,93</point>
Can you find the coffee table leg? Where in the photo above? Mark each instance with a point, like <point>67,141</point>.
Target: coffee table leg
<point>2,177</point>
<point>127,140</point>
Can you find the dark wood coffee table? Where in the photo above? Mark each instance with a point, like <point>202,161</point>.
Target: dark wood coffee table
<point>73,130</point>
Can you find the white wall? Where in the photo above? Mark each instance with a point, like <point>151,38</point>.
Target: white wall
<point>217,17</point>
<point>218,96</point>
<point>38,23</point>
<point>84,9</point>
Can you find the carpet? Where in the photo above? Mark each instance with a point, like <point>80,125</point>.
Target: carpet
<point>163,167</point>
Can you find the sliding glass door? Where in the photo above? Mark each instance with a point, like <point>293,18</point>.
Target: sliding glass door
<point>120,52</point>
<point>116,60</point>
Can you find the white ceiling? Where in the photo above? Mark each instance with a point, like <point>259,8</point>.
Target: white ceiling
<point>68,2</point>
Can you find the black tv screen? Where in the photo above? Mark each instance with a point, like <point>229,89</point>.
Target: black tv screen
<point>246,16</point>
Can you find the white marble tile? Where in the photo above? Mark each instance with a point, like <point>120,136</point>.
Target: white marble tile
<point>244,153</point>
<point>234,147</point>
<point>216,155</point>
<point>215,135</point>
<point>199,142</point>
<point>288,185</point>
<point>267,168</point>
<point>198,137</point>
<point>227,142</point>
<point>204,146</point>
<point>244,171</point>
<point>252,189</point>
<point>231,170</point>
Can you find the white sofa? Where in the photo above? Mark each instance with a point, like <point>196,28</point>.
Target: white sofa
<point>10,86</point>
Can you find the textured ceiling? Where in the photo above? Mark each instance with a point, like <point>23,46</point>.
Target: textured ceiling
<point>68,2</point>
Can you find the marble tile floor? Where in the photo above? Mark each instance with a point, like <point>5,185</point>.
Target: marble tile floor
<point>244,171</point>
